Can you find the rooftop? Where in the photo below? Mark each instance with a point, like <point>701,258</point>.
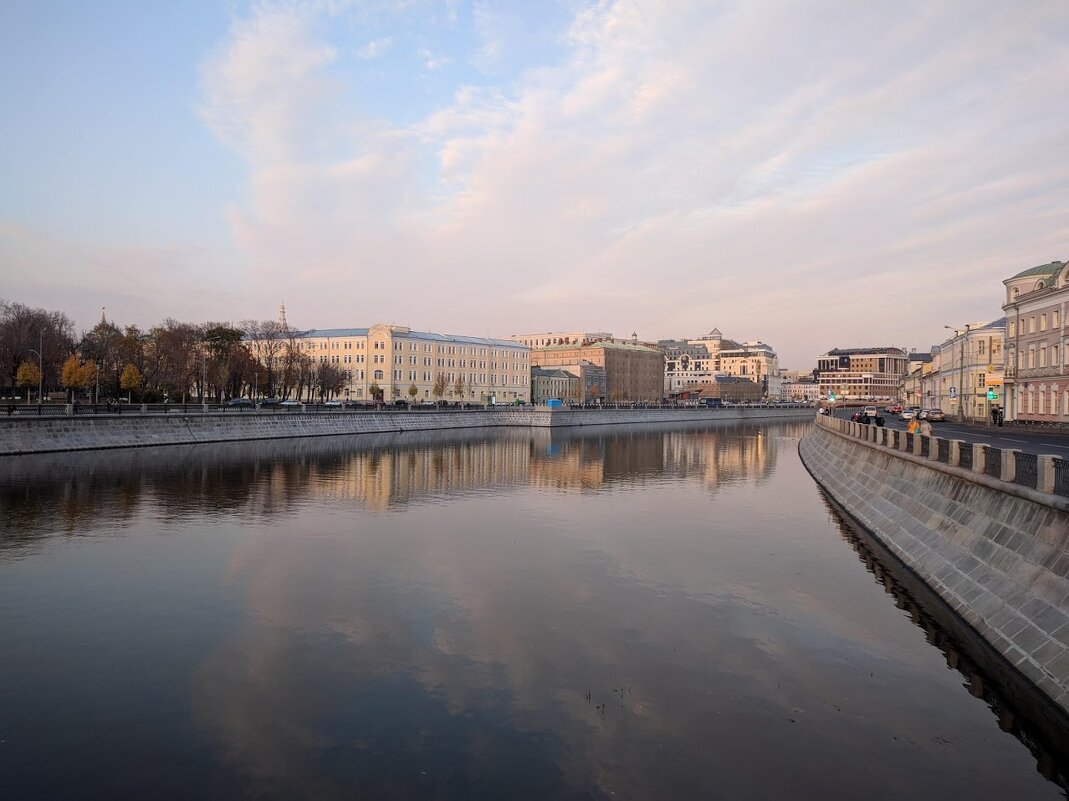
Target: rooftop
<point>889,350</point>
<point>422,335</point>
<point>1042,270</point>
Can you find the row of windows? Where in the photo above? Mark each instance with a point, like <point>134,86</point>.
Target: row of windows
<point>1043,401</point>
<point>1037,357</point>
<point>521,355</point>
<point>1042,319</point>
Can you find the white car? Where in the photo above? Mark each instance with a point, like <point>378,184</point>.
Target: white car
<point>907,414</point>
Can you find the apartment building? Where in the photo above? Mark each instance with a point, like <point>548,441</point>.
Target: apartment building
<point>861,373</point>
<point>966,378</point>
<point>633,372</point>
<point>391,359</point>
<point>1037,336</point>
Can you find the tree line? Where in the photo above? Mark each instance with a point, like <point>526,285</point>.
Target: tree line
<point>173,360</point>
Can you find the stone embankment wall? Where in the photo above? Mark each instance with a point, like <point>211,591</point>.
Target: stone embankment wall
<point>20,435</point>
<point>995,551</point>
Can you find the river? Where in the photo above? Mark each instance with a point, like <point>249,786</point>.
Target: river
<point>627,613</point>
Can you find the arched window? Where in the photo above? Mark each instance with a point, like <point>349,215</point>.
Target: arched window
<point>378,375</point>
<point>1040,285</point>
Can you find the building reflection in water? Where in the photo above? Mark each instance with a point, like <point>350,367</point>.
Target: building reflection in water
<point>51,493</point>
<point>1019,709</point>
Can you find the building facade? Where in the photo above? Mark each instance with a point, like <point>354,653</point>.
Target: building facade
<point>966,378</point>
<point>552,382</point>
<point>861,373</point>
<point>633,372</point>
<point>693,362</point>
<point>391,359</point>
<point>551,339</point>
<point>1037,336</point>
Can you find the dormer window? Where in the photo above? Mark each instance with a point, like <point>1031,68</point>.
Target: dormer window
<point>1015,292</point>
<point>1040,285</point>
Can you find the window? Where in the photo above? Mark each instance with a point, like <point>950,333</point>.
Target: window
<point>1054,356</point>
<point>378,375</point>
<point>1043,322</point>
<point>1031,325</point>
<point>1043,356</point>
<point>1054,319</point>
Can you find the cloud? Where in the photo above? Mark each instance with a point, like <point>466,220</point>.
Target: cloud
<point>821,176</point>
<point>375,48</point>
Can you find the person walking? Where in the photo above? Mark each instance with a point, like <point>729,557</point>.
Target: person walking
<point>914,425</point>
<point>925,427</point>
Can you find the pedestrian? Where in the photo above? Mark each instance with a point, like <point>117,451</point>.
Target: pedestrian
<point>994,415</point>
<point>914,425</point>
<point>925,427</point>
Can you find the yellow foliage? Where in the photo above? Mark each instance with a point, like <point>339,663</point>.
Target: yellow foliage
<point>28,374</point>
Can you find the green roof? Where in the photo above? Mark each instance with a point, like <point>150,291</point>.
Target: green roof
<point>1042,270</point>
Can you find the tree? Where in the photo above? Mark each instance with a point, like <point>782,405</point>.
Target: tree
<point>28,375</point>
<point>458,385</point>
<point>130,378</point>
<point>413,391</point>
<point>375,391</point>
<point>76,375</point>
<point>441,381</point>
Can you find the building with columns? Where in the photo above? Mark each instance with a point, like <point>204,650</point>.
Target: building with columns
<point>1037,344</point>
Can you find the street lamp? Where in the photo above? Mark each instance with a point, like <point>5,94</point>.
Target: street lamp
<point>961,367</point>
<point>40,365</point>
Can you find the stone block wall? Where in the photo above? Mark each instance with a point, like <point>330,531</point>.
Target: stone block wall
<point>90,432</point>
<point>997,553</point>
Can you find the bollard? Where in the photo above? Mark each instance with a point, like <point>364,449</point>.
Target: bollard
<point>144,408</point>
<point>1045,474</point>
<point>903,441</point>
<point>933,449</point>
<point>917,444</point>
<point>1009,464</point>
<point>978,457</point>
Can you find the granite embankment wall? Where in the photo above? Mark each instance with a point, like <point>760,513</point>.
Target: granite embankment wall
<point>994,551</point>
<point>21,435</point>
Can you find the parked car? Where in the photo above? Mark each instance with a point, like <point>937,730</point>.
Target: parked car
<point>270,402</point>
<point>291,404</point>
<point>239,403</point>
<point>936,415</point>
<point>334,404</point>
<point>401,402</point>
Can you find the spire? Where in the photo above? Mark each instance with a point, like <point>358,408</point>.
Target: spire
<point>103,315</point>
<point>282,316</point>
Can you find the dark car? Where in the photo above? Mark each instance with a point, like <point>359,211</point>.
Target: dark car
<point>270,402</point>
<point>239,403</point>
<point>401,402</point>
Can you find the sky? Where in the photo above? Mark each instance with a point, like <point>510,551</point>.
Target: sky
<point>813,175</point>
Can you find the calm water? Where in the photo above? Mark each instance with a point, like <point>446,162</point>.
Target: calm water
<point>649,614</point>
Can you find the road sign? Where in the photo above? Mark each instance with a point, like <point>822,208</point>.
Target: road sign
<point>953,392</point>
<point>831,396</point>
<point>992,395</point>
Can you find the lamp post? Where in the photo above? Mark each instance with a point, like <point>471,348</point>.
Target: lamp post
<point>40,365</point>
<point>961,366</point>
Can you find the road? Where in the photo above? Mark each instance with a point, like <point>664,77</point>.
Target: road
<point>1042,443</point>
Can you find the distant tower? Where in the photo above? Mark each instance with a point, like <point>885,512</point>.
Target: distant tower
<point>282,316</point>
<point>103,315</point>
<point>634,337</point>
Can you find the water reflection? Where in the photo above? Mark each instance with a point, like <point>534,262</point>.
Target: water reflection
<point>628,613</point>
<point>51,493</point>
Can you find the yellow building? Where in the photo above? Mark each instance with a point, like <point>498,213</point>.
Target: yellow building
<point>395,358</point>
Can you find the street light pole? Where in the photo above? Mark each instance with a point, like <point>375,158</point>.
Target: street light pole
<point>961,369</point>
<point>40,365</point>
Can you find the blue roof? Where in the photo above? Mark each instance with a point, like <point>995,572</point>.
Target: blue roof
<point>427,335</point>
